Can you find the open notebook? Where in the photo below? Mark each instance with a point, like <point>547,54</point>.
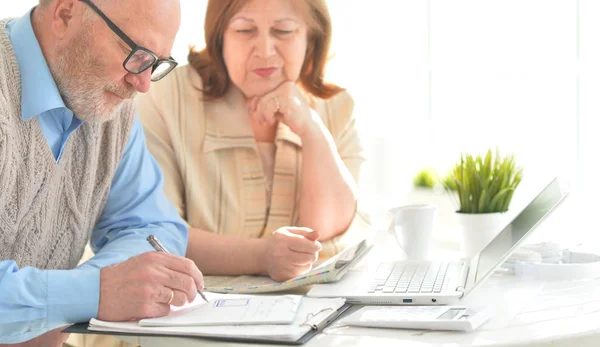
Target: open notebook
<point>313,314</point>
<point>329,271</point>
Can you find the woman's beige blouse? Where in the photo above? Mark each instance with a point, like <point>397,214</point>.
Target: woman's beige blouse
<point>212,167</point>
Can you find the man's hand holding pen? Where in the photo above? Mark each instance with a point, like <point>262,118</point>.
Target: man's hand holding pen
<point>158,246</point>
<point>146,285</point>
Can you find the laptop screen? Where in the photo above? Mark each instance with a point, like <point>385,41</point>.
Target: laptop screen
<point>509,238</point>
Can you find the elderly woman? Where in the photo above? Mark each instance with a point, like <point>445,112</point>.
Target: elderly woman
<point>260,156</point>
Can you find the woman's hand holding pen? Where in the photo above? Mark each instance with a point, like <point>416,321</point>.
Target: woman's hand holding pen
<point>290,252</point>
<point>146,285</point>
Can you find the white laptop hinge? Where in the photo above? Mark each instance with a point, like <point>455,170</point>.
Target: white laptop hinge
<point>464,275</point>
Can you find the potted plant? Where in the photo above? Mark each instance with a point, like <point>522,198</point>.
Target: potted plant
<point>484,187</point>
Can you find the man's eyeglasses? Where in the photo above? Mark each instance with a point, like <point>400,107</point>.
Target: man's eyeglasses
<point>140,59</point>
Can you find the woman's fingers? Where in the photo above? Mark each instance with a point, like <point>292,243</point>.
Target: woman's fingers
<point>278,104</point>
<point>300,258</point>
<point>267,108</point>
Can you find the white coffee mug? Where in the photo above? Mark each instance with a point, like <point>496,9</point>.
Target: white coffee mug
<point>412,225</point>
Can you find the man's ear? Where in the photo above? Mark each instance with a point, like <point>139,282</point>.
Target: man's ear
<point>65,15</point>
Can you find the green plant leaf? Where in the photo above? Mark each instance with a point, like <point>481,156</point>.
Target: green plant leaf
<point>484,185</point>
<point>497,202</point>
<point>482,202</point>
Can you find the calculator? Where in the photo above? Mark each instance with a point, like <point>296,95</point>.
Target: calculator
<point>419,317</point>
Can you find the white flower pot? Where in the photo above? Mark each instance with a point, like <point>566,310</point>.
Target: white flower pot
<point>478,229</point>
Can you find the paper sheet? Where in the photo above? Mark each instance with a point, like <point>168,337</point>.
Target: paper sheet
<point>280,309</point>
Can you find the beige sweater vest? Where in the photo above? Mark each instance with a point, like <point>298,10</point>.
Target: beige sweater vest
<point>48,209</point>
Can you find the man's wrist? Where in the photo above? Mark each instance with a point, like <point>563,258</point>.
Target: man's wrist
<point>73,295</point>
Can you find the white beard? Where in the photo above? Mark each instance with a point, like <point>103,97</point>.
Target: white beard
<point>82,88</point>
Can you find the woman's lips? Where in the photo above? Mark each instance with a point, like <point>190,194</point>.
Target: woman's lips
<point>265,72</point>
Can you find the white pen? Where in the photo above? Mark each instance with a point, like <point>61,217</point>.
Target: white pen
<point>160,248</point>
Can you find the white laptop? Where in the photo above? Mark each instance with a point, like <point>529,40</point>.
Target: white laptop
<point>441,283</point>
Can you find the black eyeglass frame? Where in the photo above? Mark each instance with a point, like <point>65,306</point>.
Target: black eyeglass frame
<point>134,46</point>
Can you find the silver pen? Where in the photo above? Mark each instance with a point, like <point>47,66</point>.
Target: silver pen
<point>160,248</point>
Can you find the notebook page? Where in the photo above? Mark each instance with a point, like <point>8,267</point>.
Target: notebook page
<point>229,310</point>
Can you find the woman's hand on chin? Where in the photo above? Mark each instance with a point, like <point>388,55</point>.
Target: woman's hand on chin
<point>286,104</point>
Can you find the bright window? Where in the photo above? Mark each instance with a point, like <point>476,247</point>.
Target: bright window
<point>435,78</point>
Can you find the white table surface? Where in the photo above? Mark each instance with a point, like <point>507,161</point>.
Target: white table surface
<point>529,313</point>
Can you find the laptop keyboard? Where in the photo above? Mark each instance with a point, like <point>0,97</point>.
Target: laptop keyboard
<point>409,278</point>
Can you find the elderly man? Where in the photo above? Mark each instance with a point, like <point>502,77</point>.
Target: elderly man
<point>74,168</point>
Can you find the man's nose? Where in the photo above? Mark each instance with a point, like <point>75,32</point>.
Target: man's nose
<point>141,82</point>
